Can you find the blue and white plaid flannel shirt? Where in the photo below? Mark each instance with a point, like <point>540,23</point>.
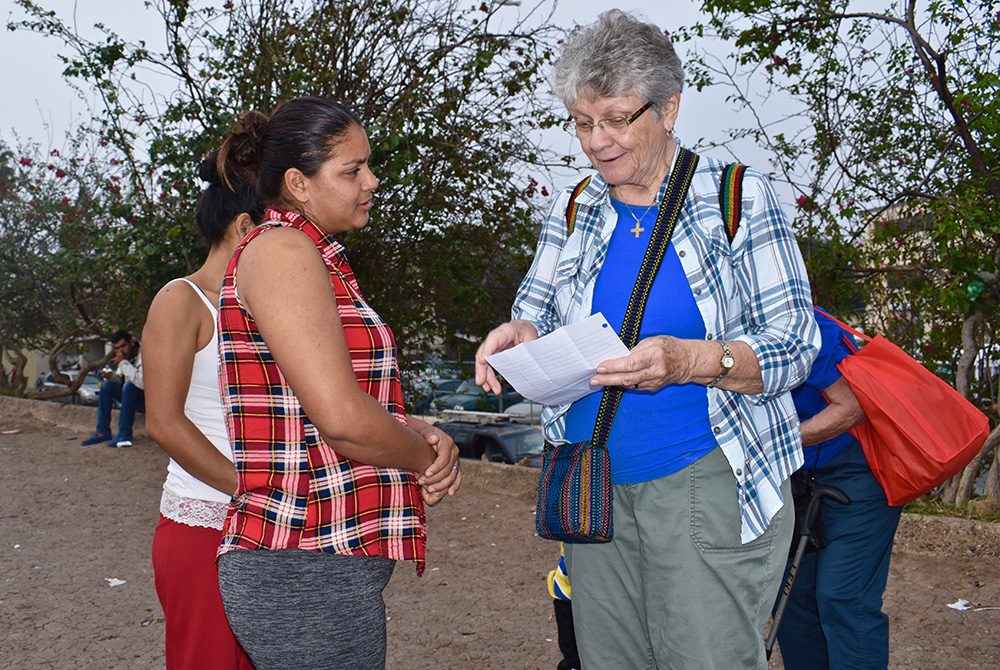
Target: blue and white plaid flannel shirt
<point>755,291</point>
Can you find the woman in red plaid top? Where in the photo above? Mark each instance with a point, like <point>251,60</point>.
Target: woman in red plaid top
<point>332,477</point>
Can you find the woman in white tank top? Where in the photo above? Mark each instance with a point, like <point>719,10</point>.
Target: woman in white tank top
<point>184,416</point>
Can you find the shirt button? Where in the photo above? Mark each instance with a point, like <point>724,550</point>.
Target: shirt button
<point>697,291</point>
<point>717,430</point>
<point>739,471</point>
<point>681,253</point>
<point>709,336</point>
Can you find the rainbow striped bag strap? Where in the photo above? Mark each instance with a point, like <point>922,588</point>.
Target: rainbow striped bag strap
<point>731,198</point>
<point>572,208</point>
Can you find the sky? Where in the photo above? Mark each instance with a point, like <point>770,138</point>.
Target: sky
<point>43,106</point>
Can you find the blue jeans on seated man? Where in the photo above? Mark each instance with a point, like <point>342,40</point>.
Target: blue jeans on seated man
<point>834,619</point>
<point>131,398</point>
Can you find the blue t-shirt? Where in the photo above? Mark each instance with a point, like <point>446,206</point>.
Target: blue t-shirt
<point>653,434</point>
<point>809,400</point>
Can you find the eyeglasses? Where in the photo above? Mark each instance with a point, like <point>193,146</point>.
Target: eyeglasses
<point>615,125</point>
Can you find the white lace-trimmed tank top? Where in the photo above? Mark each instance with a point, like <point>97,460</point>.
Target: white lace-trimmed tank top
<point>187,499</point>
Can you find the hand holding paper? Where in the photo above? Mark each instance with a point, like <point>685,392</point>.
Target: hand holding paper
<point>556,369</point>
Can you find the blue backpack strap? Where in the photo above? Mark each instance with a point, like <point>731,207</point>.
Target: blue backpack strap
<point>731,198</point>
<point>572,207</point>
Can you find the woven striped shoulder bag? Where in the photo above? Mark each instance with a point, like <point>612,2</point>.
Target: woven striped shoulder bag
<point>574,487</point>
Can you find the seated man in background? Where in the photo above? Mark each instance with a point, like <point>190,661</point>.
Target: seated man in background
<point>123,384</point>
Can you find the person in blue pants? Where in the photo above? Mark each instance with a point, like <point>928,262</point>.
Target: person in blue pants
<point>123,385</point>
<point>834,615</point>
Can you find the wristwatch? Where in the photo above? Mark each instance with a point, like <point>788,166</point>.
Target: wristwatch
<point>727,363</point>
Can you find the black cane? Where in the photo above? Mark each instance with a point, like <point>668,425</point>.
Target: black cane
<point>812,514</point>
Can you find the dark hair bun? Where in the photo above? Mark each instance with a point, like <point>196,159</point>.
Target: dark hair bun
<point>239,156</point>
<point>208,170</point>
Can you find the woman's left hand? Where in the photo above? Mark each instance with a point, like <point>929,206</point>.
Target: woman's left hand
<point>651,365</point>
<point>661,360</point>
<point>443,477</point>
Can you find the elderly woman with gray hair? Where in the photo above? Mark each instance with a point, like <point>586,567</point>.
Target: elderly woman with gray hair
<point>705,435</point>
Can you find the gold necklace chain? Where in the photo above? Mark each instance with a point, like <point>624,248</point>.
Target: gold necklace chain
<point>639,218</point>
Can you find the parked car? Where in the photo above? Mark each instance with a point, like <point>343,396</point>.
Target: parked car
<point>90,389</point>
<point>499,441</point>
<point>87,394</point>
<point>526,411</point>
<point>471,398</point>
<point>432,390</point>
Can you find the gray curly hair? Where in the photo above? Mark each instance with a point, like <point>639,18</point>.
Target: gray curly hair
<point>617,55</point>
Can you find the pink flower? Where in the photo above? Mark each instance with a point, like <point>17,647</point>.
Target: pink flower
<point>545,191</point>
<point>802,200</point>
<point>65,201</point>
<point>164,195</point>
<point>25,161</point>
<point>54,152</point>
<point>60,174</point>
<point>227,5</point>
<point>50,166</point>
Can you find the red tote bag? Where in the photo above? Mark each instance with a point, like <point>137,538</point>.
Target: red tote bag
<point>920,431</point>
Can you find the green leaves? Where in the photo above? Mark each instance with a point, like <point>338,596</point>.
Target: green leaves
<point>450,102</point>
<point>893,156</point>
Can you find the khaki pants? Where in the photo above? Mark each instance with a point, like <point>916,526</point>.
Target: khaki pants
<point>676,589</point>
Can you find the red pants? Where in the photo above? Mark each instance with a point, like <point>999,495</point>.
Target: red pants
<point>198,635</point>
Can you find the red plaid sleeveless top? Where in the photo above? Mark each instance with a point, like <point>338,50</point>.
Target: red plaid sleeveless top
<point>295,491</point>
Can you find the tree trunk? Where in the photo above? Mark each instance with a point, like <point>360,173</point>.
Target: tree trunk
<point>18,378</point>
<point>992,489</point>
<point>949,490</point>
<point>959,488</point>
<point>970,349</point>
<point>968,479</point>
<point>18,382</point>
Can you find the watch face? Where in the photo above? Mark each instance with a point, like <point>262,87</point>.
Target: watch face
<point>727,362</point>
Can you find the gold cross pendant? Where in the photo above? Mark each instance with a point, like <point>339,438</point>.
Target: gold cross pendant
<point>638,229</point>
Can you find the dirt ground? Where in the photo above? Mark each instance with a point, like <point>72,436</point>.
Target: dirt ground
<point>76,583</point>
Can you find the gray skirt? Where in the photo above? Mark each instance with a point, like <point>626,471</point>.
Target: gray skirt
<point>305,609</point>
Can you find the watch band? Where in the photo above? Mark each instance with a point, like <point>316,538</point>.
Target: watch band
<point>726,354</point>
